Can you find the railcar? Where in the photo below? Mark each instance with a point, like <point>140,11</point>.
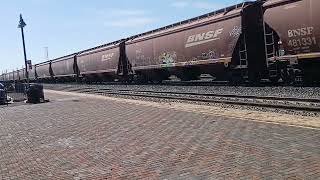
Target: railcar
<point>223,43</point>
<point>44,71</point>
<point>274,39</point>
<point>99,63</point>
<point>16,76</point>
<point>292,38</point>
<point>32,73</point>
<point>11,76</point>
<point>22,75</point>
<point>6,77</point>
<point>64,68</point>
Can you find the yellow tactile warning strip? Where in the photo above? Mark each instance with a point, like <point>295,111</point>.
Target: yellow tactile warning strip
<point>248,115</point>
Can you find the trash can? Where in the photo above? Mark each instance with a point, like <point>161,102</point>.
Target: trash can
<point>35,94</point>
<point>3,96</point>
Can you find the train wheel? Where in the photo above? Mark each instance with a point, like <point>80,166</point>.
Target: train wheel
<point>274,80</point>
<point>157,81</point>
<point>255,79</point>
<point>235,78</point>
<point>307,80</point>
<point>189,74</point>
<point>140,78</point>
<point>288,76</point>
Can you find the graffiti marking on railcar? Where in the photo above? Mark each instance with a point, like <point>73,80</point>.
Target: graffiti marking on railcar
<point>290,6</point>
<point>236,31</point>
<point>168,58</point>
<point>107,57</point>
<point>202,38</point>
<point>208,55</point>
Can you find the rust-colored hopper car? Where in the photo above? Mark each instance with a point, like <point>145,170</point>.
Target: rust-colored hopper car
<point>274,40</point>
<point>292,32</point>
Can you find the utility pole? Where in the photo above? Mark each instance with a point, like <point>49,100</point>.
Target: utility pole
<point>21,25</point>
<point>46,53</point>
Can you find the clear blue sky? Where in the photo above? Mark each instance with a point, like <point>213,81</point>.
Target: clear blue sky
<point>69,26</point>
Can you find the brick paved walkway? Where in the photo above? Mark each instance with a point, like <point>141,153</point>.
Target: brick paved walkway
<point>89,138</point>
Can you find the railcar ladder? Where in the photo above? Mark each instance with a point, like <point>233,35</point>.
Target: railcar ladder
<point>243,54</point>
<point>269,43</point>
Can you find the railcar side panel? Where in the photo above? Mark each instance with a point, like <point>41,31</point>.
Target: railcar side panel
<point>141,54</point>
<point>31,73</point>
<point>11,76</point>
<point>22,75</point>
<point>16,75</point>
<point>208,42</point>
<point>43,71</point>
<point>99,61</point>
<point>63,67</point>
<point>297,24</point>
<point>7,77</point>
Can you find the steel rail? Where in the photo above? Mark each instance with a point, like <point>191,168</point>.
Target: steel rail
<point>289,103</point>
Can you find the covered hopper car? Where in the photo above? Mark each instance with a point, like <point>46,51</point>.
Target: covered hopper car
<point>62,69</point>
<point>292,39</point>
<point>273,39</point>
<point>99,64</point>
<point>44,71</point>
<point>216,44</point>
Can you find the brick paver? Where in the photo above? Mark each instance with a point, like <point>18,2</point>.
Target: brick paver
<point>88,138</point>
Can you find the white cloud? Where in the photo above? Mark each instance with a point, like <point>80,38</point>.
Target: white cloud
<point>180,4</point>
<point>197,4</point>
<point>108,13</point>
<point>127,12</point>
<point>130,22</point>
<point>125,17</point>
<point>207,5</point>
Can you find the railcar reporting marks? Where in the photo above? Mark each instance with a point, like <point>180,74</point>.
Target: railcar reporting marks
<point>302,38</point>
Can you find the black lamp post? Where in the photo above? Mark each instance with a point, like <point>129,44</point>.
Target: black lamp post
<point>21,25</point>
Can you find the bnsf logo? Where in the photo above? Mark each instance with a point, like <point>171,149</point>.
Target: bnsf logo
<point>107,57</point>
<point>203,38</point>
<point>300,32</point>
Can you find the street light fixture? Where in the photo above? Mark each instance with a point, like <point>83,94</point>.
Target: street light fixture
<point>21,25</point>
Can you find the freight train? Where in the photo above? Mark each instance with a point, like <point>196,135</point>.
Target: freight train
<point>278,40</point>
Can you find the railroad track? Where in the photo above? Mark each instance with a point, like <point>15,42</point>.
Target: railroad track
<point>298,104</point>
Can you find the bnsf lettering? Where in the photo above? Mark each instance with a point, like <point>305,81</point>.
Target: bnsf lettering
<point>198,39</point>
<point>106,57</point>
<point>300,32</point>
<point>205,36</point>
